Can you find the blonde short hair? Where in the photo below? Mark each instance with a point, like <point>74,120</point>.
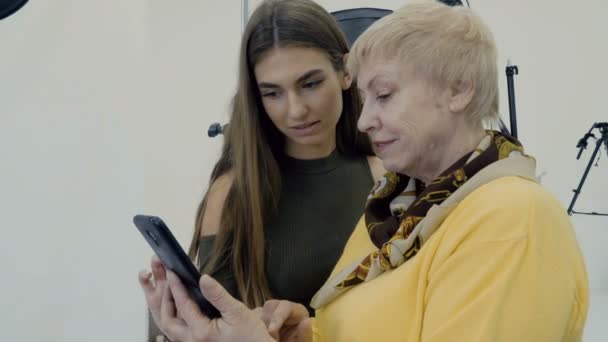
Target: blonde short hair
<point>444,44</point>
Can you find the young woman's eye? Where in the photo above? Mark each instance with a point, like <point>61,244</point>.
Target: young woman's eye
<point>312,84</point>
<point>270,94</point>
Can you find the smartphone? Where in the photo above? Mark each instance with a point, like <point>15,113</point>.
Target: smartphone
<point>168,250</point>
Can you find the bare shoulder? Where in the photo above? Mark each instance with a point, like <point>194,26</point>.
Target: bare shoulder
<point>376,167</point>
<point>216,197</point>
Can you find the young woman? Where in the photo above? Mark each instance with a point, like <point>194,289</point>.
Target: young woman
<point>294,172</point>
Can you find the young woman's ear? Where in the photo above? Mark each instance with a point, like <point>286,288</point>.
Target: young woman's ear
<point>347,79</point>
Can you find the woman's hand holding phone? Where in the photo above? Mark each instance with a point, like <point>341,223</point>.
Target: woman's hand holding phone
<point>154,284</point>
<point>288,322</point>
<point>181,319</point>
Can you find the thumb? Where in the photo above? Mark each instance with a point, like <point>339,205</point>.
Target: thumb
<point>305,331</point>
<point>230,308</point>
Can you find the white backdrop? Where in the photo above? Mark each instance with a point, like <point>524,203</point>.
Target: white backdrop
<point>104,108</point>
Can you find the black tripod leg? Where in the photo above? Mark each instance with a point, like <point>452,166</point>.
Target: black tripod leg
<point>577,192</point>
<point>510,71</point>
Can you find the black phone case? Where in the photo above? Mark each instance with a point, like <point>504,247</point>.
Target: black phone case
<point>168,250</point>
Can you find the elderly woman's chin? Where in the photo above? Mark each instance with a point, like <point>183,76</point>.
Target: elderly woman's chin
<point>398,164</point>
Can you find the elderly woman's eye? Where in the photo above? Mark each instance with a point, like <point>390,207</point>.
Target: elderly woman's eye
<point>383,97</point>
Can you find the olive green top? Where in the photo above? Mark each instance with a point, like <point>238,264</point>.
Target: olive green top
<point>321,202</point>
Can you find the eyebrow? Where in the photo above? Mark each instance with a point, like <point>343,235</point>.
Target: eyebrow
<point>308,74</point>
<point>369,84</point>
<point>372,81</point>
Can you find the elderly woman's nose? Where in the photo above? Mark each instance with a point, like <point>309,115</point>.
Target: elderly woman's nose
<point>367,121</point>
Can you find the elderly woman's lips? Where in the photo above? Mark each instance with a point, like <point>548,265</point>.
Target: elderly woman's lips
<point>382,145</point>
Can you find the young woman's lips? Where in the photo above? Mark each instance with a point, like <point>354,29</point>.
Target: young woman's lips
<point>306,128</point>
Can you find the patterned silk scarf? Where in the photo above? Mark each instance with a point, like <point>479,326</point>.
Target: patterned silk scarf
<point>398,203</point>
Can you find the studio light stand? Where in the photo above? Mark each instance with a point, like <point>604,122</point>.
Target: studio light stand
<point>582,144</point>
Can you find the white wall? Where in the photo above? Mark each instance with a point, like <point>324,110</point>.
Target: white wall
<point>190,58</point>
<point>70,171</point>
<point>104,108</point>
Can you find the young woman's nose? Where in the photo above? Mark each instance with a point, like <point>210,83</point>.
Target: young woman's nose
<point>297,109</point>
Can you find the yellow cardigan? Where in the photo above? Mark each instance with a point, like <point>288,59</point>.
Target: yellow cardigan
<point>504,265</point>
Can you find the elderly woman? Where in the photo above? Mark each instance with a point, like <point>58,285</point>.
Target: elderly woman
<point>458,241</point>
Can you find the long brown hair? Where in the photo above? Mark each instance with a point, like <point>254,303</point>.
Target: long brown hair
<point>252,143</point>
